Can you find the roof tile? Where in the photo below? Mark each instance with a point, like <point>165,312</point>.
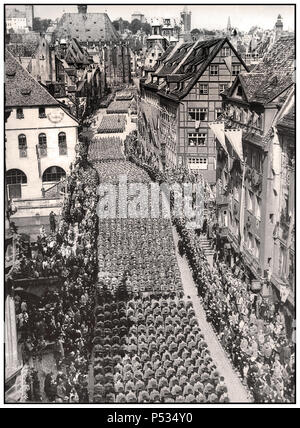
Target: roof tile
<point>21,89</point>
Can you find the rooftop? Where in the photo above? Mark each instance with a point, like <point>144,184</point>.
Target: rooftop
<point>273,74</point>
<point>185,63</point>
<point>21,89</point>
<point>86,27</point>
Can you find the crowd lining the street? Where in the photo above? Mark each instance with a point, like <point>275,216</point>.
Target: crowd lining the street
<point>251,330</point>
<point>63,319</point>
<point>146,347</point>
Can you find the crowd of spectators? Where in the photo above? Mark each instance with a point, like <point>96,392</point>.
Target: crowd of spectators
<point>251,331</point>
<point>63,319</point>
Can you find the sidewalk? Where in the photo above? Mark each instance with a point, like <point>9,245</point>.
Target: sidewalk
<point>236,391</point>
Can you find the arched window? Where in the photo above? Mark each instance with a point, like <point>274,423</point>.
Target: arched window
<point>53,173</point>
<point>15,176</point>
<point>42,145</point>
<point>22,145</point>
<point>62,143</point>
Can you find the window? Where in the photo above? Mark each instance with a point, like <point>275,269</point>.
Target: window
<point>42,113</point>
<point>42,145</point>
<point>258,208</point>
<point>203,88</point>
<point>197,114</point>
<point>225,51</point>
<point>20,114</point>
<point>196,139</point>
<point>222,87</point>
<point>15,176</point>
<point>53,173</point>
<point>214,70</point>
<point>197,163</point>
<point>259,122</point>
<point>257,248</point>
<point>250,241</point>
<point>62,143</point>
<point>22,146</point>
<point>236,70</point>
<point>218,112</point>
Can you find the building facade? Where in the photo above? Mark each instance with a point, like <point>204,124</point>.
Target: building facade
<point>41,135</point>
<point>185,93</point>
<point>16,21</point>
<point>35,54</point>
<point>255,173</point>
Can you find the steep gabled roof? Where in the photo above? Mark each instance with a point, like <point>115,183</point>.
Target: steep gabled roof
<point>273,75</point>
<point>197,54</point>
<point>75,54</point>
<point>173,62</point>
<point>86,27</point>
<point>21,89</point>
<point>205,63</point>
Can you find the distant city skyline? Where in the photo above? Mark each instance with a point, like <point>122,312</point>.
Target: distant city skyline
<point>203,16</point>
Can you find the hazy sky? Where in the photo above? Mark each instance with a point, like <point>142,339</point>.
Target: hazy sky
<point>203,16</point>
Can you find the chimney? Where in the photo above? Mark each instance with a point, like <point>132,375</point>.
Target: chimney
<point>82,8</point>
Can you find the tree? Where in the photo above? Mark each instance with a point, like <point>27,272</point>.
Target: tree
<point>116,25</point>
<point>41,25</point>
<point>135,26</point>
<point>146,28</point>
<point>195,33</point>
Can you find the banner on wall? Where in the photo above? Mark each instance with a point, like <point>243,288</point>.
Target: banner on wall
<point>234,136</point>
<point>218,130</point>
